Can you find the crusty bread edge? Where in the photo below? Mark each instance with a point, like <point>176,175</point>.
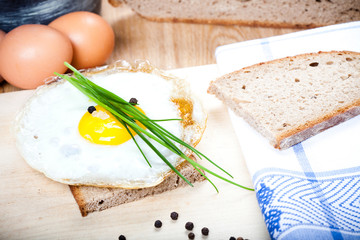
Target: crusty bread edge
<point>293,136</point>
<point>312,128</point>
<point>173,180</point>
<point>273,24</point>
<point>231,22</point>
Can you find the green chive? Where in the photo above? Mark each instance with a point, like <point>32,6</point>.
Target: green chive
<point>126,113</point>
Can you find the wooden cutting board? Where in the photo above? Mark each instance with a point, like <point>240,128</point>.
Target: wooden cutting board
<point>34,207</point>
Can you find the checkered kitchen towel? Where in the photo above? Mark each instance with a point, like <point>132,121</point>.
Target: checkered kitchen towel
<point>312,190</point>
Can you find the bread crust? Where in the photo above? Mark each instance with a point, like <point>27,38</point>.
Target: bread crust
<point>289,57</point>
<point>232,22</point>
<point>319,125</point>
<point>91,199</point>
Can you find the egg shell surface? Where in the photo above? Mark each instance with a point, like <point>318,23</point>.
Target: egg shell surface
<point>2,35</point>
<point>29,54</point>
<point>91,36</point>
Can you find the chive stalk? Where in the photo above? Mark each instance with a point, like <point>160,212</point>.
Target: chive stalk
<point>126,114</point>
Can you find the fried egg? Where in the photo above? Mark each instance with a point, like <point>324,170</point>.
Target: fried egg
<point>70,139</point>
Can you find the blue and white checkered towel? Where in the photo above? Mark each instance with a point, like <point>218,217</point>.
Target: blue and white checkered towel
<point>312,190</point>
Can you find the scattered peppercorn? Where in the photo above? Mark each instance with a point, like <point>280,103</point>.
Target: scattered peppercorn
<point>158,224</point>
<point>174,215</point>
<point>133,101</point>
<point>314,64</point>
<point>191,235</point>
<point>122,237</point>
<point>205,231</point>
<point>91,109</point>
<point>189,226</point>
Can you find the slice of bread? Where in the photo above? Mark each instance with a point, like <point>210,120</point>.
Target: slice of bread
<point>291,99</point>
<point>276,13</point>
<point>91,199</point>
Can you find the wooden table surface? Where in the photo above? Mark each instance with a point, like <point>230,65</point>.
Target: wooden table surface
<point>167,46</point>
<point>170,45</point>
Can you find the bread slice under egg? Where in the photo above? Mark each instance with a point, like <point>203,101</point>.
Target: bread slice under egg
<point>91,199</point>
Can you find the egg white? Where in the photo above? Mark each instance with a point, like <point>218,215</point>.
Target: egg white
<point>48,138</point>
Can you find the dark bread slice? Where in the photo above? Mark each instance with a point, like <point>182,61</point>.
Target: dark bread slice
<point>291,99</point>
<point>276,13</point>
<point>91,199</point>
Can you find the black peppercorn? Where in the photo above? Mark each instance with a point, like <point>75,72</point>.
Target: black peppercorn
<point>174,215</point>
<point>133,101</point>
<point>314,64</point>
<point>232,238</point>
<point>91,109</point>
<point>239,238</point>
<point>191,235</point>
<point>205,231</point>
<point>158,224</point>
<point>122,237</point>
<point>189,226</point>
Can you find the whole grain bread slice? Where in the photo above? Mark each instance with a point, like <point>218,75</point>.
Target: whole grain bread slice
<point>275,13</point>
<point>291,99</point>
<point>91,199</point>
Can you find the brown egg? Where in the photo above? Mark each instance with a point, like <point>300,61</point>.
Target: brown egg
<point>2,35</point>
<point>31,53</point>
<point>92,37</point>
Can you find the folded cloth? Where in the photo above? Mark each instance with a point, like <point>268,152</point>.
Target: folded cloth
<point>311,190</point>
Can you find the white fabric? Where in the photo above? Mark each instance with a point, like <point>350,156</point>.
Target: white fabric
<point>312,190</point>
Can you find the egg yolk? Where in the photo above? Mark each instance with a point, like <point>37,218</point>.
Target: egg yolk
<point>101,127</point>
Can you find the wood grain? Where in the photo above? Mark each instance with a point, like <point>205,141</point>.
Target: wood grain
<point>169,45</point>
